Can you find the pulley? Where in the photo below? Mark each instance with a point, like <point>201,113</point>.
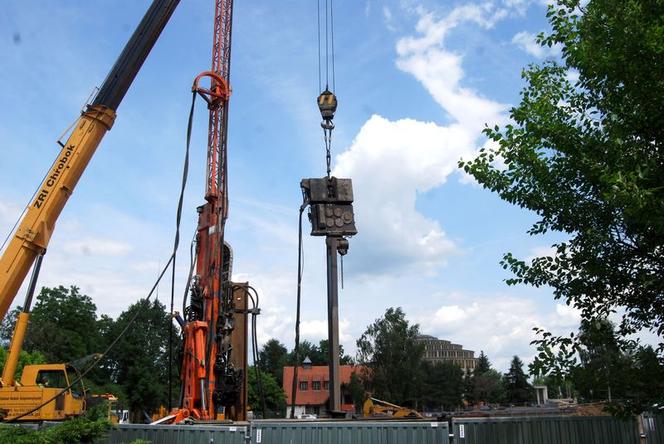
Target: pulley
<point>327,104</point>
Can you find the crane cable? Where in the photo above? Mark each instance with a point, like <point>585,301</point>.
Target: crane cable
<point>171,260</point>
<point>327,100</point>
<point>176,244</point>
<point>327,105</point>
<point>296,349</point>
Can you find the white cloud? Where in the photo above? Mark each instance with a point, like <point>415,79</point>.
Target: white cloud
<point>440,71</point>
<point>388,19</point>
<point>541,251</point>
<point>572,76</point>
<point>390,162</point>
<point>315,330</point>
<point>527,42</point>
<point>450,314</point>
<point>569,316</point>
<point>8,213</point>
<point>501,325</point>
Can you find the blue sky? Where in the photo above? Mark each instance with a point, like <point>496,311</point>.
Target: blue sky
<point>416,80</point>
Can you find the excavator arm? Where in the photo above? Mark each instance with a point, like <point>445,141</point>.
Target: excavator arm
<point>36,227</point>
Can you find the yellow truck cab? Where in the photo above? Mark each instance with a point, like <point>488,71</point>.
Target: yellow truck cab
<point>39,383</point>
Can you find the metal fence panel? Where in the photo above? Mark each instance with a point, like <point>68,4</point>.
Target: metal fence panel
<point>177,434</point>
<point>545,430</point>
<point>349,432</point>
<point>653,427</point>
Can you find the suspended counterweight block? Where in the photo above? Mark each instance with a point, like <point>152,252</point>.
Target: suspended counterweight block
<point>331,206</point>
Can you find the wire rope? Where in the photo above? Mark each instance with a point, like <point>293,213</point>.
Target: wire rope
<point>334,83</point>
<point>297,313</point>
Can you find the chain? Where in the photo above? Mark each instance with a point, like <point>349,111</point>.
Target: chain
<point>328,148</point>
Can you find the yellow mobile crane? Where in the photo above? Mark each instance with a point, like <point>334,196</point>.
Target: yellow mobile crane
<point>39,383</point>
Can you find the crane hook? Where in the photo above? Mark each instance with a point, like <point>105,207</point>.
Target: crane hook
<point>327,104</point>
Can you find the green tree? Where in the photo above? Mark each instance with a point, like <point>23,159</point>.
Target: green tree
<point>442,386</point>
<point>587,157</point>
<point>344,359</point>
<point>557,389</point>
<point>307,349</point>
<point>63,325</point>
<point>318,354</point>
<point>24,358</point>
<point>139,361</point>
<point>485,385</point>
<point>482,365</point>
<point>469,388</point>
<point>603,365</point>
<point>355,390</point>
<point>7,326</point>
<point>391,357</point>
<point>517,388</point>
<point>273,356</point>
<point>600,366</point>
<point>275,398</point>
<point>488,387</point>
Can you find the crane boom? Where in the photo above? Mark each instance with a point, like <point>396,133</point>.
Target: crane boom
<point>36,227</point>
<point>34,231</point>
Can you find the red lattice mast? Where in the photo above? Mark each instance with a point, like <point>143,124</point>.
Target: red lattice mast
<point>217,98</point>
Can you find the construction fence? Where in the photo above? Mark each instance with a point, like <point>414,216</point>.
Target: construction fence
<point>513,430</point>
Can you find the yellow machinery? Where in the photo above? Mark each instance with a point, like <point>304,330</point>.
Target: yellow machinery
<point>39,383</point>
<point>31,238</point>
<point>373,408</point>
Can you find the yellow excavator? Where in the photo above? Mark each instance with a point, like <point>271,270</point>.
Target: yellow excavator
<point>38,396</point>
<point>376,408</point>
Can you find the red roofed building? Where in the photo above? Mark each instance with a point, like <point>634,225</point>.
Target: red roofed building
<point>313,388</point>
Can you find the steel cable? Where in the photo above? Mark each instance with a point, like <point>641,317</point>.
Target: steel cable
<point>296,350</point>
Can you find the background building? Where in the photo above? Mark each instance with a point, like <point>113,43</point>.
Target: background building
<point>440,350</point>
<point>313,387</point>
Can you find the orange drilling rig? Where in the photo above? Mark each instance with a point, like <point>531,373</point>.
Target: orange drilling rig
<point>214,364</point>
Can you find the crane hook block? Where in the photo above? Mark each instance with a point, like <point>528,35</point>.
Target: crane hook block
<point>327,104</point>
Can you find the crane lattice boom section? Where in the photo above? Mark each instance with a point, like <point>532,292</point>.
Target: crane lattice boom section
<point>221,60</point>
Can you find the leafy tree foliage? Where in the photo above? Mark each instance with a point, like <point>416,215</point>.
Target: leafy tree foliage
<point>442,386</point>
<point>355,391</point>
<point>318,354</point>
<point>601,367</point>
<point>275,398</point>
<point>307,349</point>
<point>485,385</point>
<point>74,431</point>
<point>25,358</point>
<point>587,157</point>
<point>272,358</point>
<point>63,325</point>
<point>469,388</point>
<point>7,326</point>
<point>488,387</point>
<point>344,359</point>
<point>139,362</point>
<point>602,364</point>
<point>388,350</point>
<point>517,388</point>
<point>483,365</point>
<point>557,389</point>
